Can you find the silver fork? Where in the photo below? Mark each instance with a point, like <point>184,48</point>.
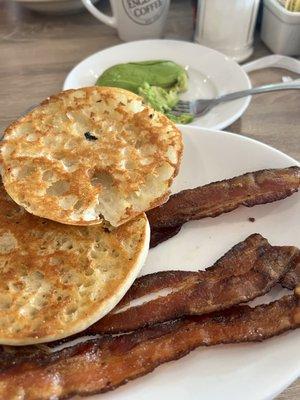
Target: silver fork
<point>202,106</point>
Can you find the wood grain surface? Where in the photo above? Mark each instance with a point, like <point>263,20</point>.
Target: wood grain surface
<point>37,51</point>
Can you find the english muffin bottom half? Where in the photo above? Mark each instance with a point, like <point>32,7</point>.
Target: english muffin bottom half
<point>55,279</point>
<point>92,154</point>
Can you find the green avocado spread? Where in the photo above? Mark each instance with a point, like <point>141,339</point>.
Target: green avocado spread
<point>159,82</point>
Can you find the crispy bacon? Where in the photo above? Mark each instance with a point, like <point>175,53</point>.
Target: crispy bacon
<point>172,279</point>
<point>247,271</point>
<point>292,278</point>
<point>216,198</point>
<point>13,355</point>
<point>162,234</point>
<point>151,283</point>
<point>104,364</point>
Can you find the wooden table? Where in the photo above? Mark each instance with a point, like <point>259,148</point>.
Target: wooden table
<point>37,51</point>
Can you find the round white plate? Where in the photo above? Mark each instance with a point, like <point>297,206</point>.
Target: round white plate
<point>210,74</point>
<point>253,371</point>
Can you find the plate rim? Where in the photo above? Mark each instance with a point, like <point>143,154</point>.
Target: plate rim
<point>218,126</point>
<point>238,136</point>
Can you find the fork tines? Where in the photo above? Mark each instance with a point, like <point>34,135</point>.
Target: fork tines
<point>182,107</point>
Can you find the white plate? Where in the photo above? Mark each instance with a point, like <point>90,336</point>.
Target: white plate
<point>210,74</point>
<point>230,372</point>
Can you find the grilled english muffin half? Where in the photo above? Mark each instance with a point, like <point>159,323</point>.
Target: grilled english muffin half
<point>88,155</point>
<point>55,279</point>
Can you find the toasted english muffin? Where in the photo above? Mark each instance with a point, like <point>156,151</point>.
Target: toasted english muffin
<point>55,279</point>
<point>88,155</point>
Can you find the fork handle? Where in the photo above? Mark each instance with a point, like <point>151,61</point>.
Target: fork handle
<point>259,89</point>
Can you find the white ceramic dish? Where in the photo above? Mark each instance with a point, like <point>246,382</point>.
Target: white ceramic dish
<point>210,73</point>
<point>230,372</point>
<point>53,6</point>
<point>280,29</point>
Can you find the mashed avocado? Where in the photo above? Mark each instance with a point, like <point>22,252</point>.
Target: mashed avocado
<point>159,82</point>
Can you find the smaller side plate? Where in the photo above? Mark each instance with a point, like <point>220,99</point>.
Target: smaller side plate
<point>210,74</point>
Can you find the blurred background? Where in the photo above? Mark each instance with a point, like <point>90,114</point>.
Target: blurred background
<point>39,48</point>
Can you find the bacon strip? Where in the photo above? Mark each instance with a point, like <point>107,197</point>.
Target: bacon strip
<point>104,364</point>
<point>151,283</point>
<point>247,271</point>
<point>216,198</point>
<point>162,234</point>
<point>172,279</point>
<point>292,278</point>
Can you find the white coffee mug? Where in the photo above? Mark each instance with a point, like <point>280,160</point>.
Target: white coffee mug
<point>134,19</point>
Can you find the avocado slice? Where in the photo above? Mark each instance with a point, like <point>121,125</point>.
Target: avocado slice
<point>158,81</point>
